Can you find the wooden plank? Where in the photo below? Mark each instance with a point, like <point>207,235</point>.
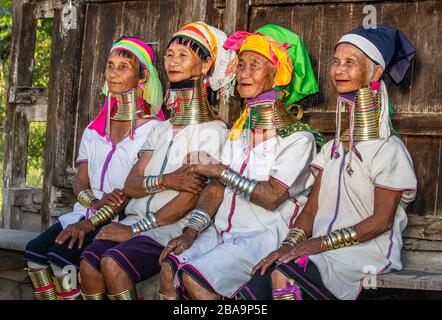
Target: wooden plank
<point>293,17</point>
<point>25,196</point>
<point>236,16</point>
<point>15,239</point>
<point>426,92</point>
<point>410,279</point>
<point>16,125</point>
<point>426,165</point>
<point>417,124</point>
<point>423,227</point>
<point>285,2</point>
<point>46,8</point>
<point>438,191</point>
<point>422,245</point>
<point>107,1</point>
<point>25,95</point>
<point>215,13</point>
<point>38,111</point>
<point>428,261</point>
<point>403,16</point>
<point>62,99</point>
<point>88,83</point>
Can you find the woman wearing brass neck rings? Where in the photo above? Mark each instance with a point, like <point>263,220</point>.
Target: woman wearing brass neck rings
<point>108,150</point>
<point>351,225</point>
<point>162,186</point>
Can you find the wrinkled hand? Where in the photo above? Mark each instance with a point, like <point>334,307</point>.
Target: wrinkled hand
<point>288,253</point>
<point>274,256</point>
<point>179,244</point>
<point>116,232</point>
<point>184,180</point>
<point>308,247</point>
<point>204,164</point>
<point>76,231</point>
<point>115,199</point>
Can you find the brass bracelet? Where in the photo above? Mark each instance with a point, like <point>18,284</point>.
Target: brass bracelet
<point>340,238</point>
<point>106,213</point>
<point>86,197</point>
<point>326,244</point>
<point>295,237</point>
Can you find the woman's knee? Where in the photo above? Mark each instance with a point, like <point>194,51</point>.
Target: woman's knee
<point>109,267</point>
<point>33,245</point>
<point>278,279</point>
<point>87,271</point>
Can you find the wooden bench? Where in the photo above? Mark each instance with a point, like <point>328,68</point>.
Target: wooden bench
<point>11,239</point>
<point>421,257</point>
<point>16,240</point>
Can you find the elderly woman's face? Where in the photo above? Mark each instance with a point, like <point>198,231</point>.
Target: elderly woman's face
<point>350,69</point>
<point>182,63</point>
<point>255,74</point>
<point>121,73</point>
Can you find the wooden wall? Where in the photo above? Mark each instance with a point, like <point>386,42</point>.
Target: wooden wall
<point>78,60</point>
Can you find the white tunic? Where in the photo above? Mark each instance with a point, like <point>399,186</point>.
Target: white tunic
<point>169,153</point>
<point>108,164</point>
<point>346,200</point>
<point>243,233</point>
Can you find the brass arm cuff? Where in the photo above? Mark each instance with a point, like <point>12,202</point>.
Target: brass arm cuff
<point>340,238</point>
<point>106,213</point>
<point>86,197</point>
<point>295,237</point>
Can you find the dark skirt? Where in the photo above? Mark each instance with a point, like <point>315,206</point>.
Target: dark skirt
<point>44,250</point>
<point>307,278</point>
<point>138,256</point>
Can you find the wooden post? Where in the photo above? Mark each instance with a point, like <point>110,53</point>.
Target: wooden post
<point>63,86</point>
<point>16,126</point>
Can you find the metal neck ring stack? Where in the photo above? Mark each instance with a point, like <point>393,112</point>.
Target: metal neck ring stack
<point>127,108</point>
<point>192,105</point>
<point>366,116</point>
<point>276,116</point>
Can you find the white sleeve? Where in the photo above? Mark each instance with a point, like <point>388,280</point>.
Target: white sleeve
<point>392,168</point>
<point>321,158</point>
<point>291,164</point>
<point>151,139</point>
<point>226,154</point>
<point>83,151</point>
<point>211,139</point>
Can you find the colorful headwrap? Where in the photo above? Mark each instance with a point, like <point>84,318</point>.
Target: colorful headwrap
<point>210,40</point>
<point>286,51</point>
<point>152,88</point>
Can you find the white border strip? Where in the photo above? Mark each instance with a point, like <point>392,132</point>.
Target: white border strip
<point>366,46</point>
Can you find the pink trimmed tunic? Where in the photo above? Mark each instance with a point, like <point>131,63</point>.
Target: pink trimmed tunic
<point>346,200</point>
<point>243,232</point>
<point>108,164</point>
